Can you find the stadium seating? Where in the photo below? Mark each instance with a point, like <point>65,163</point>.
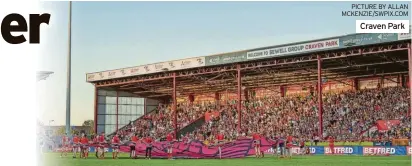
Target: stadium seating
<point>346,116</point>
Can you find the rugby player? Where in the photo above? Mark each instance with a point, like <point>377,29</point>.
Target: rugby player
<point>275,145</point>
<point>134,141</point>
<point>289,145</point>
<point>331,144</point>
<point>148,141</point>
<point>281,142</point>
<point>95,144</point>
<point>115,146</point>
<point>220,141</point>
<point>302,146</point>
<point>84,142</point>
<point>76,145</point>
<point>256,144</point>
<point>169,139</point>
<point>102,142</point>
<point>65,145</point>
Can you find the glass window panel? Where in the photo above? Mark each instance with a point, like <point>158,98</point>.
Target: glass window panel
<point>101,109</point>
<point>129,109</point>
<point>111,100</point>
<point>100,128</point>
<point>140,110</point>
<point>110,119</point>
<point>110,129</point>
<point>100,119</point>
<point>121,119</point>
<point>101,92</point>
<point>133,109</point>
<point>140,101</point>
<point>121,109</point>
<point>111,93</point>
<point>122,100</point>
<point>109,109</point>
<point>101,99</point>
<point>134,100</point>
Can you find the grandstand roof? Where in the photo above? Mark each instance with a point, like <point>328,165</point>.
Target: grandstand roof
<point>357,55</point>
<point>42,75</point>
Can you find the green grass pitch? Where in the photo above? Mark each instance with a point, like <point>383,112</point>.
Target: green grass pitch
<point>53,159</point>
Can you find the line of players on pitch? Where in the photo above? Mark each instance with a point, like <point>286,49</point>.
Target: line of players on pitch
<point>81,145</point>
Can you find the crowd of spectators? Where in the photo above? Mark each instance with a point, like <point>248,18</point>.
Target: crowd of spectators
<point>346,116</point>
<point>159,122</point>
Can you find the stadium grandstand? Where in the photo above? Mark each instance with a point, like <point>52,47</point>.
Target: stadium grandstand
<point>353,87</point>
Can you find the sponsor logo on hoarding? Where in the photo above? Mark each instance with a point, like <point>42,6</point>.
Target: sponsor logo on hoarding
<point>339,150</point>
<point>293,49</point>
<point>409,150</point>
<point>366,39</point>
<point>226,58</point>
<point>379,150</point>
<point>295,150</point>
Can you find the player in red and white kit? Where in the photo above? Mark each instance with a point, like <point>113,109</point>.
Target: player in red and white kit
<point>115,146</point>
<point>134,141</point>
<point>256,144</point>
<point>95,144</point>
<point>220,137</point>
<point>65,145</point>
<point>331,144</point>
<point>289,145</point>
<point>102,142</point>
<point>76,145</point>
<point>169,139</point>
<point>84,146</point>
<point>302,146</point>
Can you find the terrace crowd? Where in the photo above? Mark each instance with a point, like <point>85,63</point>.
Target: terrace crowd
<point>347,116</point>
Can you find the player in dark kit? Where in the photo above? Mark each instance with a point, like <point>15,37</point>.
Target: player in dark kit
<point>275,145</point>
<point>148,141</point>
<point>281,142</point>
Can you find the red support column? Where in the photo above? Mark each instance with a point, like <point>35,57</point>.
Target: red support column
<point>320,97</point>
<point>400,80</point>
<point>217,99</point>
<point>410,75</point>
<point>117,111</point>
<point>95,109</point>
<point>145,106</point>
<point>239,98</point>
<point>174,105</point>
<point>356,84</point>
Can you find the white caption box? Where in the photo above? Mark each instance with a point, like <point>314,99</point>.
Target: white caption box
<point>382,26</point>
